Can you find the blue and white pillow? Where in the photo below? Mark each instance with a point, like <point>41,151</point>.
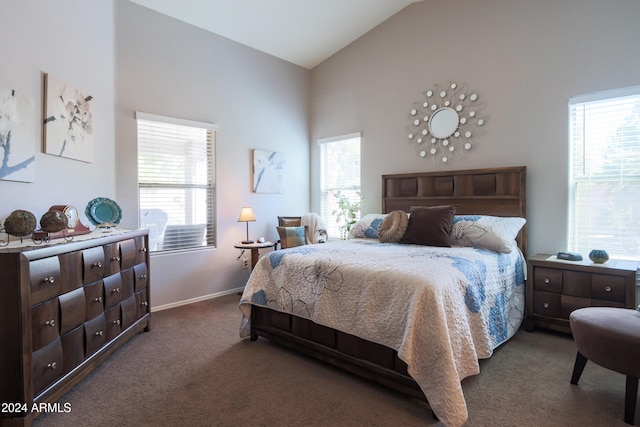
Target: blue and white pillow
<point>367,227</point>
<point>484,231</point>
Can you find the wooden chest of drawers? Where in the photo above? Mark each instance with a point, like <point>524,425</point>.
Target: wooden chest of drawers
<point>64,309</point>
<point>556,288</point>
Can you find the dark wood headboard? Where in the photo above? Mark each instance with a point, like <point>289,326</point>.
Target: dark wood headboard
<point>492,191</point>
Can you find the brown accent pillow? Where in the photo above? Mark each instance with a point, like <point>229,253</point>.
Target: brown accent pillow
<point>289,221</point>
<point>393,227</point>
<point>430,226</point>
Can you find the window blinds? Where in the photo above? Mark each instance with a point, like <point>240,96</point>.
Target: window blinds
<point>605,173</point>
<point>340,176</point>
<point>176,182</point>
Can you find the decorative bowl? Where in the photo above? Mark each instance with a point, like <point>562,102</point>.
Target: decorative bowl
<point>599,256</point>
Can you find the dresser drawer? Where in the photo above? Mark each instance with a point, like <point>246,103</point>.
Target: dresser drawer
<point>548,279</point>
<point>72,309</point>
<point>95,331</point>
<point>94,299</point>
<point>129,311</point>
<point>547,304</point>
<point>142,277</point>
<point>93,264</point>
<point>112,290</point>
<point>142,304</point>
<point>71,271</point>
<point>114,322</point>
<point>112,259</point>
<point>45,324</point>
<point>44,275</point>
<point>72,348</point>
<point>127,277</point>
<point>127,253</point>
<point>608,288</point>
<point>47,365</point>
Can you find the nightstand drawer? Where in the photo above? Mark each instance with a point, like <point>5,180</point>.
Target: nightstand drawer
<point>608,288</point>
<point>576,283</point>
<point>548,279</point>
<point>570,303</point>
<point>547,304</point>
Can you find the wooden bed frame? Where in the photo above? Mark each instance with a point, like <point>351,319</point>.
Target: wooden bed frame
<point>495,191</point>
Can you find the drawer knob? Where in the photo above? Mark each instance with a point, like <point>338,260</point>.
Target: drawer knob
<point>116,322</point>
<point>143,249</point>
<point>115,258</point>
<point>97,264</point>
<point>546,305</point>
<point>51,322</point>
<point>115,291</point>
<point>49,279</point>
<point>52,365</point>
<point>607,288</point>
<point>144,303</point>
<point>547,280</point>
<point>143,276</point>
<point>98,299</point>
<point>99,333</point>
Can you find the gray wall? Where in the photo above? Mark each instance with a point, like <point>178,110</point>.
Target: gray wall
<point>173,69</point>
<point>525,58</point>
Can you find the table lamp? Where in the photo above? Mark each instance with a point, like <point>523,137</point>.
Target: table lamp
<point>246,215</point>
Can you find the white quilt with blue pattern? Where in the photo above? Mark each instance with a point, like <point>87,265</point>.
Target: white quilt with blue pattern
<point>441,309</point>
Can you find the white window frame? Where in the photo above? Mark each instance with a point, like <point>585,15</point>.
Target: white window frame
<point>328,190</point>
<point>189,224</point>
<point>604,173</point>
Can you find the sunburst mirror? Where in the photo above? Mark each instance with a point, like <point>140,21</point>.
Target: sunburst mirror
<point>444,123</point>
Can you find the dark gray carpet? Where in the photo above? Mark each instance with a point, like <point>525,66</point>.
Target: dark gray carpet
<point>192,369</point>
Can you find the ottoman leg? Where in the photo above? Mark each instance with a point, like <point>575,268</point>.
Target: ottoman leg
<point>630,397</point>
<point>581,361</point>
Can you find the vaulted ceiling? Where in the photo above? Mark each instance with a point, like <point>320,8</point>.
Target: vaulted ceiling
<point>304,32</point>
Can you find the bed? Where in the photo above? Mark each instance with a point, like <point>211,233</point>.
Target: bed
<point>414,318</point>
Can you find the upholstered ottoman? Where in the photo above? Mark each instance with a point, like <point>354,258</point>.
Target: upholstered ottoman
<point>609,337</point>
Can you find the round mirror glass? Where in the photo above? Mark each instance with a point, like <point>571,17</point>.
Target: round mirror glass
<point>443,122</point>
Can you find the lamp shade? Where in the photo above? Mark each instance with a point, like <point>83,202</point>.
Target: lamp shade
<point>246,215</point>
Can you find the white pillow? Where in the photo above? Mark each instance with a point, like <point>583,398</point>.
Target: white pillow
<point>484,231</point>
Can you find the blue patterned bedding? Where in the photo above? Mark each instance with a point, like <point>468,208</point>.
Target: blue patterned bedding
<point>441,309</point>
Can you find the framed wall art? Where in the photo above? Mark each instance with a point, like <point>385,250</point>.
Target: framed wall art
<point>267,172</point>
<point>68,121</point>
<point>18,120</point>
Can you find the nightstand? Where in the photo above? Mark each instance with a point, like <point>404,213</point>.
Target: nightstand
<point>255,249</point>
<point>555,288</point>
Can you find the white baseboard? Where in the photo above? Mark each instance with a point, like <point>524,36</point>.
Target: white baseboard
<point>198,299</point>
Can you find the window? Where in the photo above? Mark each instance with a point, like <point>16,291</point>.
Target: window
<point>604,172</point>
<point>339,178</point>
<point>176,182</point>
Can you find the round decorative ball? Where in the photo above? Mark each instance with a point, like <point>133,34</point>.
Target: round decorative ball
<point>599,256</point>
<point>20,223</point>
<point>53,221</point>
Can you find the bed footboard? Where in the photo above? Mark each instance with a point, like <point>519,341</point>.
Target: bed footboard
<point>366,359</point>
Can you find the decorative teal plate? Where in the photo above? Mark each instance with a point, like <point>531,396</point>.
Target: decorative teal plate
<point>102,210</point>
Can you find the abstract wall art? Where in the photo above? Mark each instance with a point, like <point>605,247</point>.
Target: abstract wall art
<point>18,121</point>
<point>268,171</point>
<point>68,121</point>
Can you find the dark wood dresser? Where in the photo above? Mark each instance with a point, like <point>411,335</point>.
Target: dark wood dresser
<point>65,307</point>
<point>555,288</point>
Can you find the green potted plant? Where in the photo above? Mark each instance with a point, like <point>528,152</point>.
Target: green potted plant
<point>348,212</point>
